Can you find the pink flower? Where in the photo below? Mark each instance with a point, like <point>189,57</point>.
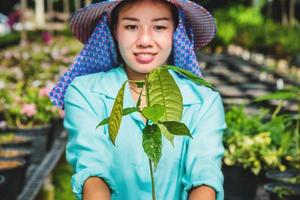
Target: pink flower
<point>29,109</point>
<point>61,113</point>
<point>47,37</point>
<point>44,91</point>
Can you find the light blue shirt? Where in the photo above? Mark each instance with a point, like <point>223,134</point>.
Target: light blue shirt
<point>125,167</point>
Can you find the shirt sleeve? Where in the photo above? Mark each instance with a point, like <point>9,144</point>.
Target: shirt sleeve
<point>88,149</point>
<point>205,150</point>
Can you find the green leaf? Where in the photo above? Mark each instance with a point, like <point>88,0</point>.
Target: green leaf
<point>126,111</point>
<point>163,90</point>
<point>154,113</point>
<point>103,122</point>
<point>279,95</point>
<point>152,143</point>
<point>177,128</point>
<point>138,103</point>
<point>191,76</point>
<point>129,110</point>
<point>166,133</point>
<point>115,118</point>
<point>295,117</point>
<point>140,84</point>
<point>285,142</point>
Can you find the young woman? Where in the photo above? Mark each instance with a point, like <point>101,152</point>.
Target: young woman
<point>126,40</point>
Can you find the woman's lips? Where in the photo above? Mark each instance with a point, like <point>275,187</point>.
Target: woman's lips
<point>144,58</point>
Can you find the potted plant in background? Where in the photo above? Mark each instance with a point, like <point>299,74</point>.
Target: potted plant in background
<point>17,152</point>
<point>37,66</point>
<point>10,139</point>
<point>28,111</point>
<point>2,181</point>
<point>288,186</point>
<point>250,148</point>
<point>14,172</point>
<point>12,150</point>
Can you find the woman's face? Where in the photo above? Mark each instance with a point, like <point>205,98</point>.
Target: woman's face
<point>144,35</point>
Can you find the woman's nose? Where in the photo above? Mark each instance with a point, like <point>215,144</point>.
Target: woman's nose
<point>145,38</point>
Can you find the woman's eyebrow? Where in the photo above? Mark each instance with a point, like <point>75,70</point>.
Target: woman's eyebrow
<point>161,19</point>
<point>130,18</point>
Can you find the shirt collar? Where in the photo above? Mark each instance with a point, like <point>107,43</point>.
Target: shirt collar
<point>110,82</point>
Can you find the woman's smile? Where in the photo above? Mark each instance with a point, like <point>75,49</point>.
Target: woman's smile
<point>144,58</point>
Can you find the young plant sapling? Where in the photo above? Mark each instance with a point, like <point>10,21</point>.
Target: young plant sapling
<point>163,111</point>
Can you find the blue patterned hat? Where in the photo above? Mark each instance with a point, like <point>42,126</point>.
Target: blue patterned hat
<point>100,53</point>
<point>84,21</point>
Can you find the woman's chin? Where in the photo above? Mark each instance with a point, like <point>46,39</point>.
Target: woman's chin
<point>144,70</point>
<point>140,70</point>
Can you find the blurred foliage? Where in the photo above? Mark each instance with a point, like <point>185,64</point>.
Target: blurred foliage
<point>32,36</point>
<point>26,106</point>
<point>62,181</point>
<point>246,26</point>
<point>239,121</point>
<point>28,73</point>
<point>38,61</point>
<point>9,39</point>
<point>292,94</point>
<point>258,141</point>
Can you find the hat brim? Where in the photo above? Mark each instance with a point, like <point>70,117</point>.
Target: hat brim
<point>84,21</point>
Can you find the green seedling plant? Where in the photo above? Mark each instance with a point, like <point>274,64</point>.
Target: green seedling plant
<point>288,94</point>
<point>283,192</point>
<point>163,112</point>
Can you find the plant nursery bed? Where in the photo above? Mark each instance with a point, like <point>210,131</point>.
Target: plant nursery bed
<point>37,173</point>
<point>240,81</point>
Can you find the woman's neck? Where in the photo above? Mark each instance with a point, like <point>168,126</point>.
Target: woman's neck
<point>133,75</point>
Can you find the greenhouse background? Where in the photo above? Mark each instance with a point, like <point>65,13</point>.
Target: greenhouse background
<point>254,62</point>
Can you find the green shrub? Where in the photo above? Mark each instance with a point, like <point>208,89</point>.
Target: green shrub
<point>247,27</point>
<point>256,141</point>
<point>12,38</point>
<point>62,181</point>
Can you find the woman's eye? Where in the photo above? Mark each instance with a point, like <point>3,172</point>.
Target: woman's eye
<point>160,28</point>
<point>131,27</point>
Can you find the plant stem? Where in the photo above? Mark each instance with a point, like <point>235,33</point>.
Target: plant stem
<point>147,121</point>
<point>152,180</point>
<point>297,133</point>
<point>277,110</point>
<point>297,137</point>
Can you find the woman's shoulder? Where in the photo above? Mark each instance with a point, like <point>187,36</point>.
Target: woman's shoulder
<point>91,78</point>
<point>98,80</point>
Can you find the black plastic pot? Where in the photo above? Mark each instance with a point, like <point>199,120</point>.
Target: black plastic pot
<point>19,141</point>
<point>14,178</point>
<point>24,153</point>
<point>2,182</point>
<point>239,183</point>
<point>57,128</point>
<point>293,191</point>
<point>285,176</point>
<point>41,138</point>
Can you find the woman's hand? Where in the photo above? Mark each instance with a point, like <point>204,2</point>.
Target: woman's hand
<point>202,193</point>
<point>95,189</point>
